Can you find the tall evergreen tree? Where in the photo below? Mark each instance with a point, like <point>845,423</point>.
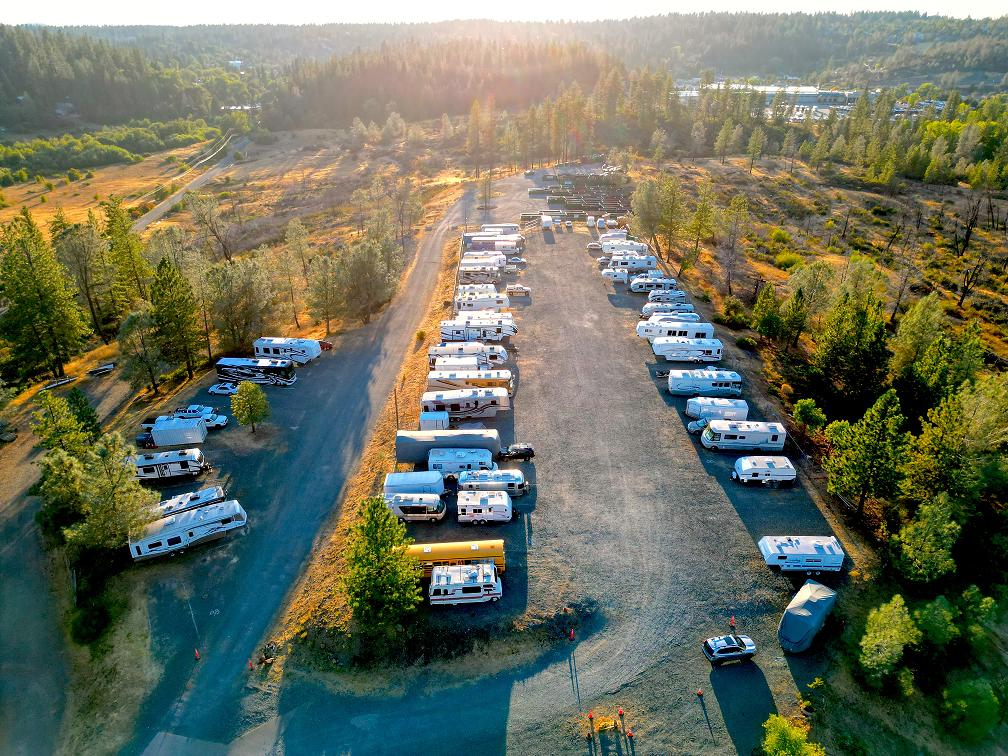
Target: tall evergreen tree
<point>176,321</point>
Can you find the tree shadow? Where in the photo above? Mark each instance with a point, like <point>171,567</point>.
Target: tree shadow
<point>745,701</point>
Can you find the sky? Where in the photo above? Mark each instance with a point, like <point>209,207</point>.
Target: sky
<point>111,12</point>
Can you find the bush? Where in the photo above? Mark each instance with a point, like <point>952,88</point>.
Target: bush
<point>176,208</point>
<point>89,175</point>
<point>237,156</point>
<point>785,739</point>
<point>972,709</point>
<point>733,313</point>
<point>90,622</point>
<point>73,175</point>
<point>421,335</point>
<point>787,260</point>
<point>888,631</point>
<point>20,176</point>
<point>747,343</point>
<point>43,198</point>
<point>780,236</point>
<point>807,414</point>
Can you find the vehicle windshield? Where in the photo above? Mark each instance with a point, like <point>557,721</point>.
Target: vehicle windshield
<point>707,434</point>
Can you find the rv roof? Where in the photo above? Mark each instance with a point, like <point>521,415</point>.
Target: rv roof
<point>193,517</point>
<point>804,544</point>
<point>461,574</point>
<point>470,393</point>
<point>742,425</point>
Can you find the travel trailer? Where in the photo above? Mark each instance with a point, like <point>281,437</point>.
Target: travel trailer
<point>193,500</point>
<point>644,285</point>
<point>678,349</point>
<point>547,222</point>
<point>511,481</point>
<point>431,555</point>
<point>717,408</point>
<point>504,228</point>
<point>456,363</point>
<point>809,554</point>
<point>424,481</point>
<point>481,507</point>
<point>476,289</point>
<point>190,528</point>
<point>298,350</point>
<point>170,464</point>
<point>674,297</point>
<point>653,329</point>
<point>772,472</point>
<point>450,463</point>
<point>617,276</point>
<point>278,372</point>
<point>492,302</point>
<point>743,434</point>
<point>416,507</point>
<point>476,330</point>
<point>478,274</point>
<point>667,308</point>
<point>466,403</point>
<point>613,236</point>
<point>634,263</point>
<point>434,421</point>
<point>464,584</point>
<point>439,379</point>
<point>485,354</point>
<point>704,382</point>
<point>412,447</point>
<point>178,431</point>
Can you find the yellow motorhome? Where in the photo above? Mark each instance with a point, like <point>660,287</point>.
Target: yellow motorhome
<point>430,555</point>
<point>440,380</point>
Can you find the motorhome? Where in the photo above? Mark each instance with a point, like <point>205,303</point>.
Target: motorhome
<point>478,274</point>
<point>665,308</point>
<point>653,329</point>
<point>170,464</point>
<point>416,507</point>
<point>704,382</point>
<point>278,372</point>
<point>456,363</point>
<point>743,434</point>
<point>425,481</point>
<point>678,349</point>
<point>412,447</point>
<point>485,354</point>
<point>494,302</point>
<point>667,297</point>
<point>434,421</point>
<point>467,404</point>
<point>481,507</point>
<point>809,554</point>
<point>450,463</point>
<point>480,330</point>
<point>439,379</point>
<point>772,472</point>
<point>511,481</point>
<point>476,289</point>
<point>464,584</point>
<point>717,408</point>
<point>633,264</point>
<point>193,500</point>
<point>190,528</point>
<point>642,285</point>
<point>298,350</point>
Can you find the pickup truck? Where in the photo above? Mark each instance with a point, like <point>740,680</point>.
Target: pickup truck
<point>210,415</point>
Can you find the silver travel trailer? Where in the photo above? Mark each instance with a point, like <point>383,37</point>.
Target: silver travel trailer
<point>479,329</point>
<point>450,463</point>
<point>511,481</point>
<point>416,507</point>
<point>190,528</point>
<point>677,296</point>
<point>653,329</point>
<point>412,447</point>
<point>426,482</point>
<point>455,363</point>
<point>633,263</point>
<point>478,274</point>
<point>178,431</point>
<point>621,246</point>
<point>482,507</point>
<point>467,404</point>
<point>808,554</point>
<point>475,289</point>
<point>504,228</point>
<point>193,500</point>
<point>439,379</point>
<point>743,434</point>
<point>486,354</point>
<point>170,464</point>
<point>678,349</point>
<point>772,472</point>
<point>718,408</point>
<point>705,383</point>
<point>298,350</point>
<point>645,285</point>
<point>667,308</point>
<point>492,302</point>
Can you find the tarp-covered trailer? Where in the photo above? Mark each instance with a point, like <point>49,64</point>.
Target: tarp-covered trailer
<point>805,616</point>
<point>412,447</point>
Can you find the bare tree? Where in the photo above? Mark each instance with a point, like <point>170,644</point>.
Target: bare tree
<point>906,270</point>
<point>964,227</point>
<point>971,275</point>
<point>215,230</point>
<point>736,219</point>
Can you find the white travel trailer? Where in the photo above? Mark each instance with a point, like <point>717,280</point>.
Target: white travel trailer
<point>547,222</point>
<point>464,584</point>
<point>613,236</point>
<point>416,507</point>
<point>494,302</point>
<point>633,264</point>
<point>642,285</point>
<point>666,308</point>
<point>467,404</point>
<point>193,500</point>
<point>450,463</point>
<point>298,350</point>
<point>678,349</point>
<point>617,276</point>
<point>504,228</point>
<point>809,554</point>
<point>674,317</point>
<point>434,421</point>
<point>704,382</point>
<point>439,380</point>
<point>481,259</point>
<point>717,408</point>
<point>481,507</point>
<point>653,329</point>
<point>772,472</point>
<point>476,289</point>
<point>479,330</point>
<point>623,247</point>
<point>510,481</point>
<point>171,464</point>
<point>425,481</point>
<point>456,363</point>
<point>674,297</point>
<point>478,274</point>
<point>485,354</point>
<point>743,434</point>
<point>494,244</point>
<point>191,528</point>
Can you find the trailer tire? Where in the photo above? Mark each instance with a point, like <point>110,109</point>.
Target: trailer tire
<point>775,484</point>
<point>494,599</point>
<point>482,522</point>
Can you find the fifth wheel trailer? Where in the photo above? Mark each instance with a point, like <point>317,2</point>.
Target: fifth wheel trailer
<point>651,330</point>
<point>704,382</point>
<point>665,308</point>
<point>467,403</point>
<point>678,349</point>
<point>412,447</point>
<point>808,554</point>
<point>298,350</point>
<point>486,354</point>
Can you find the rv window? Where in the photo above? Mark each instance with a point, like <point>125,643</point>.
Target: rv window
<point>226,521</point>
<point>755,474</point>
<point>184,465</point>
<point>510,485</point>
<point>155,545</point>
<point>148,470</point>
<point>471,589</point>
<point>773,437</point>
<point>276,350</point>
<point>138,550</point>
<point>730,437</point>
<point>782,556</point>
<point>175,540</point>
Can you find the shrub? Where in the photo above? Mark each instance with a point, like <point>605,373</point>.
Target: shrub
<point>785,739</point>
<point>747,343</point>
<point>176,208</point>
<point>421,335</point>
<point>170,159</point>
<point>73,175</point>
<point>43,199</point>
<point>20,176</point>
<point>888,631</point>
<point>807,414</point>
<point>705,297</point>
<point>38,179</point>
<point>780,236</point>
<point>972,709</point>
<point>787,260</point>
<point>224,195</point>
<point>237,156</point>
<point>733,313</point>
<point>49,186</point>
<point>89,175</point>
<point>90,622</point>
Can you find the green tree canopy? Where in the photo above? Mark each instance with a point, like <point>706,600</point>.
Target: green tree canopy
<point>918,329</point>
<point>58,427</point>
<point>924,545</point>
<point>176,322</point>
<point>808,415</point>
<point>937,462</point>
<point>138,342</point>
<point>250,405</point>
<point>85,413</point>
<point>972,708</point>
<point>782,738</point>
<point>888,631</point>
<point>936,621</point>
<point>766,318</point>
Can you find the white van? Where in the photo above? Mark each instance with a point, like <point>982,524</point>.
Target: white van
<point>465,362</point>
<point>190,528</point>
<point>466,403</point>
<point>653,329</point>
<point>742,434</point>
<point>424,481</point>
<point>298,350</point>
<point>591,221</point>
<point>677,296</point>
<point>678,349</point>
<point>809,554</point>
<point>464,584</point>
<point>481,507</point>
<point>667,308</point>
<point>170,464</point>
<point>511,481</point>
<point>416,507</point>
<point>450,463</point>
<point>434,421</point>
<point>772,472</point>
<point>717,408</point>
<point>641,285</point>
<point>705,382</point>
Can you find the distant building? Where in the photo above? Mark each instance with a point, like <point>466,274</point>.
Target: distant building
<point>800,96</point>
<point>235,63</point>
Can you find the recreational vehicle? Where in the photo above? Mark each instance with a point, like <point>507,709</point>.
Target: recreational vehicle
<point>191,528</point>
<point>666,308</point>
<point>434,421</point>
<point>431,555</point>
<point>178,431</point>
<point>643,285</point>
<point>493,244</point>
<point>467,404</point>
<point>412,447</point>
<point>482,259</point>
<point>622,247</point>
<point>547,222</point>
<point>439,379</point>
<point>274,371</point>
<point>416,507</point>
<point>171,464</point>
<point>613,236</point>
<point>476,289</point>
<point>480,330</point>
<point>193,500</point>
<point>717,408</point>
<point>452,462</point>
<point>426,482</point>
<point>743,434</point>
<point>672,297</point>
<point>617,276</point>
<point>460,584</point>
<point>485,354</point>
<point>633,264</point>
<point>809,554</point>
<point>511,481</point>
<point>298,350</point>
<point>478,274</point>
<point>653,329</point>
<point>678,349</point>
<point>481,507</point>
<point>456,363</point>
<point>504,228</point>
<point>704,382</point>
<point>493,302</point>
<point>772,472</point>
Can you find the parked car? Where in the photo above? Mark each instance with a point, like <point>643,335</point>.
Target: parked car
<point>728,648</point>
<point>195,410</point>
<point>326,346</point>
<point>517,290</point>
<point>569,224</point>
<point>518,451</point>
<point>594,246</point>
<point>602,260</point>
<point>145,441</point>
<point>223,389</point>
<point>697,426</point>
<point>517,260</point>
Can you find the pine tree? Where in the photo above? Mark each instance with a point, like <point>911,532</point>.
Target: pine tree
<point>138,342</point>
<point>889,629</point>
<point>724,139</point>
<point>924,546</point>
<point>324,288</point>
<point>766,319</point>
<point>176,321</point>
<point>755,148</point>
<point>57,426</point>
<point>85,414</point>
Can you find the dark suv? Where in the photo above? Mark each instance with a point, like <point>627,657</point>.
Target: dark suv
<point>145,441</point>
<point>518,451</point>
